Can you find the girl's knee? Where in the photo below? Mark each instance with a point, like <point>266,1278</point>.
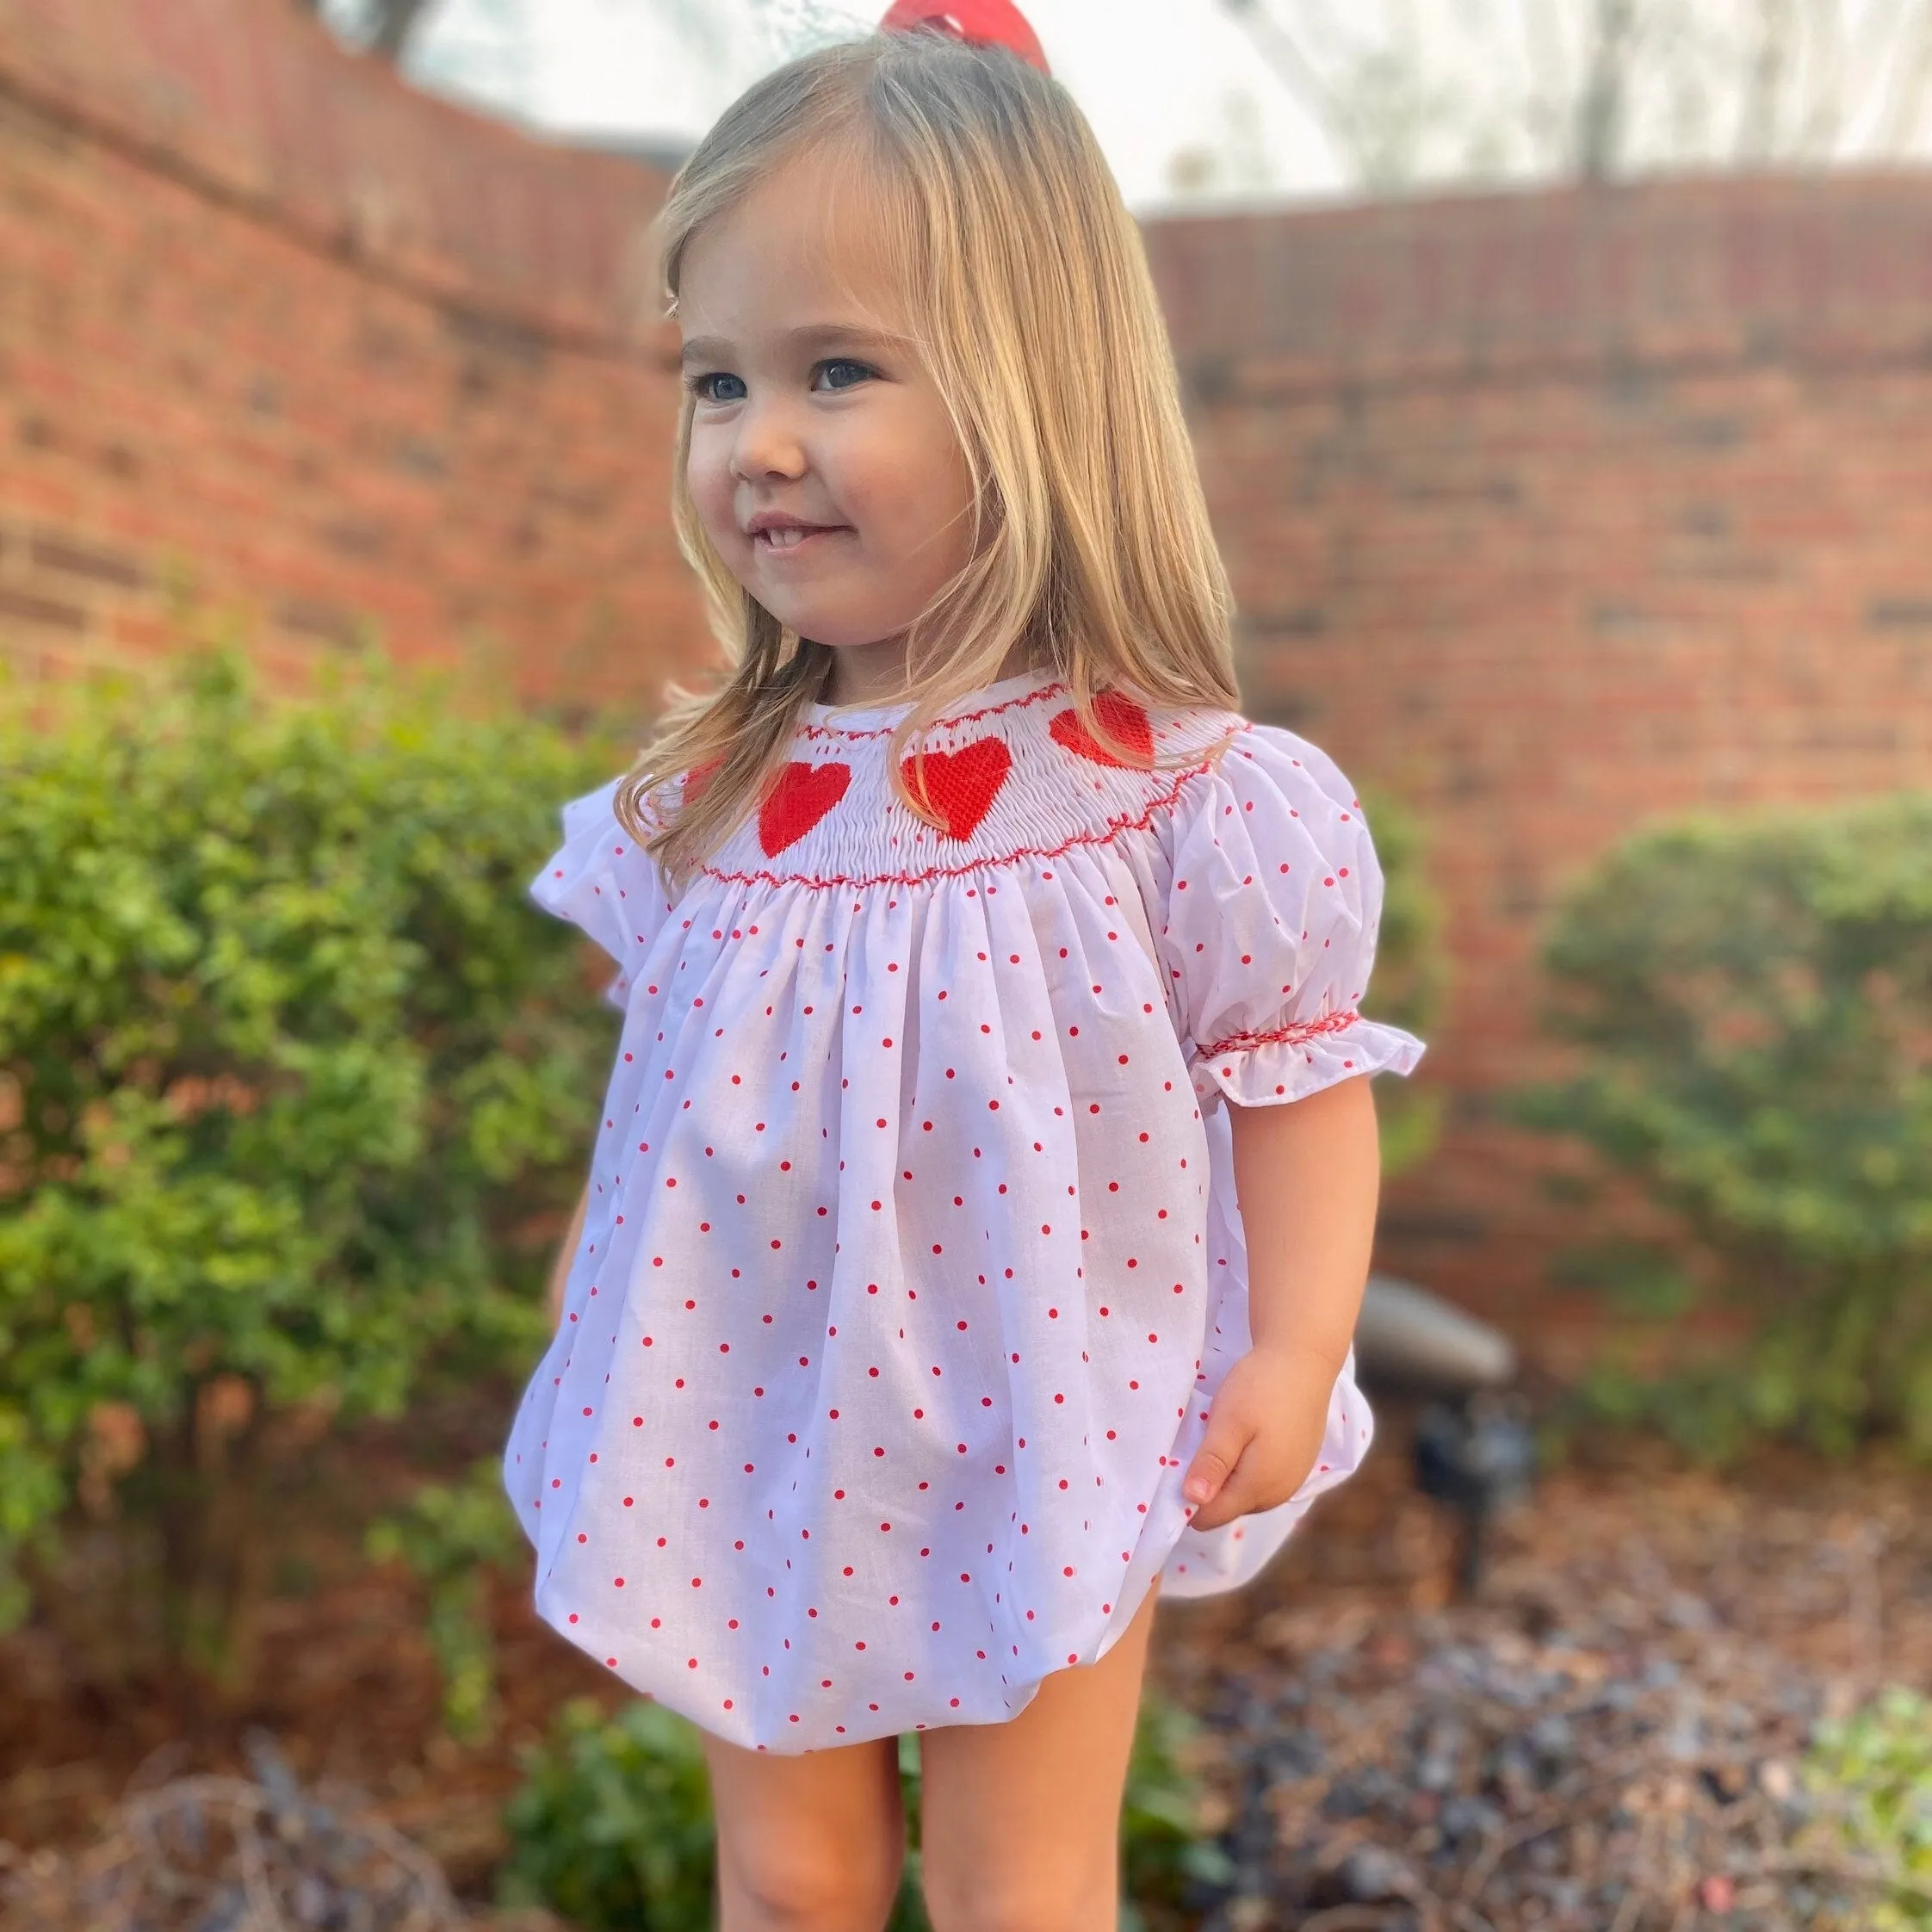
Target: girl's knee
<point>1066,1897</point>
<point>787,1882</point>
<point>814,1844</point>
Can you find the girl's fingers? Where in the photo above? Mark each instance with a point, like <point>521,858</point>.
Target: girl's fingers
<point>1208,1471</point>
<point>1260,1443</point>
<point>1249,1481</point>
<point>1230,1429</point>
<point>1217,1483</point>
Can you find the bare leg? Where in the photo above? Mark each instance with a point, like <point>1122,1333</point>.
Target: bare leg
<point>812,1842</point>
<point>1020,1821</point>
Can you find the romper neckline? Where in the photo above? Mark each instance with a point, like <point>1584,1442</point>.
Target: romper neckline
<point>842,721</point>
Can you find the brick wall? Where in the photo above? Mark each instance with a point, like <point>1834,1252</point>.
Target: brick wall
<point>343,353</point>
<point>1548,512</point>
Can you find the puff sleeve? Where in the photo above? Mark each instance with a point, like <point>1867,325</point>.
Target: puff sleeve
<point>1273,904</point>
<point>598,879</point>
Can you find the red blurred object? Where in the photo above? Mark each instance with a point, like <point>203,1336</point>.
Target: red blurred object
<point>981,23</point>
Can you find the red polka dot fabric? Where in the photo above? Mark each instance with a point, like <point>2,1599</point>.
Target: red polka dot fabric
<point>913,1261</point>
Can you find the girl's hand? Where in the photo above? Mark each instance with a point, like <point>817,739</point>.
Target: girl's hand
<point>1264,1431</point>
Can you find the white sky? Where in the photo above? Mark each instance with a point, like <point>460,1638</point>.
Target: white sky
<point>1164,79</point>
<point>1155,77</point>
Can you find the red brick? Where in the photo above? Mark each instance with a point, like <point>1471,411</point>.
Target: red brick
<point>30,607</point>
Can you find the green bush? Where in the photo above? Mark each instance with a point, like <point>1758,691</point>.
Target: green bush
<point>1872,1773</point>
<point>291,1085</point>
<point>1410,976</point>
<point>1752,998</point>
<point>612,1827</point>
<point>452,1537</point>
<point>1161,1845</point>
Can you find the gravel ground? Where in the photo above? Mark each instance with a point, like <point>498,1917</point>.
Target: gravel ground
<point>1608,1739</point>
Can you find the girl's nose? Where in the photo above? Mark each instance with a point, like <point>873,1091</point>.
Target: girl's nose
<point>767,443</point>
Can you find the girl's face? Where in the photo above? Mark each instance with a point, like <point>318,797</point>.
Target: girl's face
<point>823,464</point>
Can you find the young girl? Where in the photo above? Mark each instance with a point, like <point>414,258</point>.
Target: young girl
<point>911,1337</point>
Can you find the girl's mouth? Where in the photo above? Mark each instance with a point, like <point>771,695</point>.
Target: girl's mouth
<point>795,536</point>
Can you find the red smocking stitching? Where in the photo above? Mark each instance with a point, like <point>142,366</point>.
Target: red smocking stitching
<point>1291,1035</point>
<point>1103,836</point>
<point>963,717</point>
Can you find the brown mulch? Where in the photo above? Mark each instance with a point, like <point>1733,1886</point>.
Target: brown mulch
<point>1353,1712</point>
<point>1609,1738</point>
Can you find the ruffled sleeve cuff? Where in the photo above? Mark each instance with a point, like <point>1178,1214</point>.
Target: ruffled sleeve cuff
<point>579,881</point>
<point>1290,1062</point>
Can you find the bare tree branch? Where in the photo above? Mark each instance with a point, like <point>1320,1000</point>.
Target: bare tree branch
<point>1758,130</point>
<point>1821,118</point>
<point>701,27</point>
<point>1283,53</point>
<point>381,28</point>
<point>1911,79</point>
<point>1550,84</point>
<point>1601,113</point>
<point>395,20</point>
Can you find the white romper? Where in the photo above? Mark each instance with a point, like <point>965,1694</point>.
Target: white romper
<point>912,1262</point>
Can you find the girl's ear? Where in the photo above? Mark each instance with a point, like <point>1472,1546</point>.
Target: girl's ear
<point>980,23</point>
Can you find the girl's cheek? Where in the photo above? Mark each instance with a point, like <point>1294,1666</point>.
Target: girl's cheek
<point>708,480</point>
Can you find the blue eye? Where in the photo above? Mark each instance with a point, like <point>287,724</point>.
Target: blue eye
<point>857,371</point>
<point>701,386</point>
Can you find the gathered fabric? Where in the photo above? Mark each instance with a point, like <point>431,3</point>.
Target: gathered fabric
<point>912,1261</point>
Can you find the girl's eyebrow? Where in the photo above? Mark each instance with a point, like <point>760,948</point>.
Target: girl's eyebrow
<point>808,335</point>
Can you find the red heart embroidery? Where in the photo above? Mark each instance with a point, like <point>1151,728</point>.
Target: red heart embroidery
<point>802,796</point>
<point>961,785</point>
<point>1120,715</point>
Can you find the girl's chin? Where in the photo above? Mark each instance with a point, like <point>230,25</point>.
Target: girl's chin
<point>823,629</point>
<point>835,625</point>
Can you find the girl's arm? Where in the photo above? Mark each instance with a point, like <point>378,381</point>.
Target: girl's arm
<point>560,1269</point>
<point>1307,1175</point>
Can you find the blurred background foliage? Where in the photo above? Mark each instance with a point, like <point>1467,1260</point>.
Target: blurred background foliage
<point>1750,998</point>
<point>1873,1769</point>
<point>1410,981</point>
<point>291,1088</point>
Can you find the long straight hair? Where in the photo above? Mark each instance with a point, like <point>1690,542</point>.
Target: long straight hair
<point>1027,292</point>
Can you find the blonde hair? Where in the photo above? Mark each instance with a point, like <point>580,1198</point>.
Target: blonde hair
<point>1030,298</point>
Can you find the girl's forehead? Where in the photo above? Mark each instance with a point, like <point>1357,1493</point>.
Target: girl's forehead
<point>807,241</point>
